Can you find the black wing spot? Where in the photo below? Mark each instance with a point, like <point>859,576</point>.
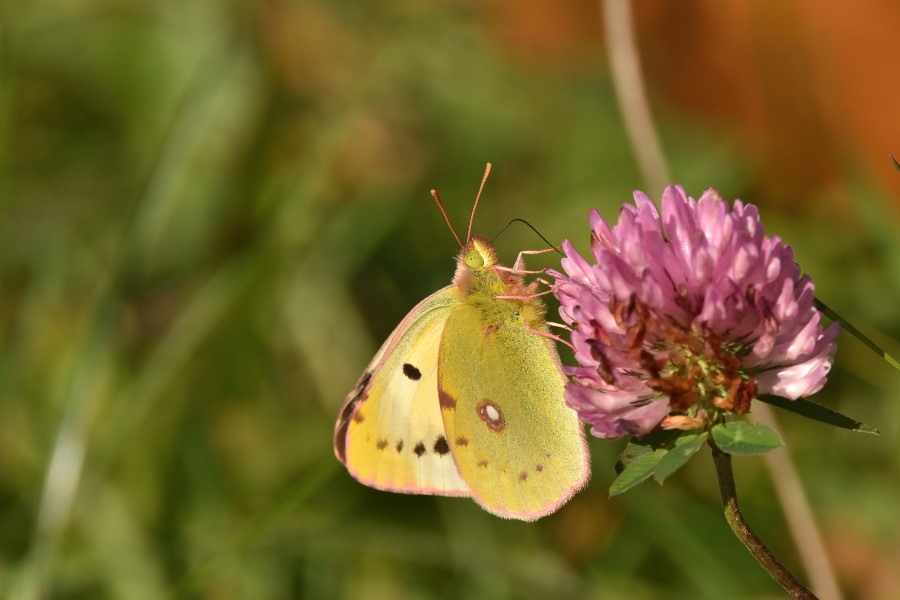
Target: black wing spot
<point>441,446</point>
<point>419,449</point>
<point>400,446</point>
<point>411,372</point>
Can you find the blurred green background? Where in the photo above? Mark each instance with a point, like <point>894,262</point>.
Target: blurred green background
<point>212,213</point>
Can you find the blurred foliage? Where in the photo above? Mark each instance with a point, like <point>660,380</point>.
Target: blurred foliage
<point>212,213</point>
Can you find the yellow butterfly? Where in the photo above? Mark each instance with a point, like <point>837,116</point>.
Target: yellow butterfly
<point>465,398</point>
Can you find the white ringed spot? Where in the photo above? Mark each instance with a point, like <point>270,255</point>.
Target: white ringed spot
<point>491,414</point>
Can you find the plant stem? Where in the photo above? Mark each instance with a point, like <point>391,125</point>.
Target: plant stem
<point>747,536</point>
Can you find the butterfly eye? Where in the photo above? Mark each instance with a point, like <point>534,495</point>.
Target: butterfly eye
<point>474,258</point>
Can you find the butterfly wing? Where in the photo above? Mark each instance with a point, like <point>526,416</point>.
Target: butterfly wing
<point>390,433</point>
<point>516,443</point>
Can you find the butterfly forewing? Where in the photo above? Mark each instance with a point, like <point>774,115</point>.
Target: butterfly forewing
<point>390,433</point>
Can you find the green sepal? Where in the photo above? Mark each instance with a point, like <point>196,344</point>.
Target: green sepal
<point>740,437</point>
<point>817,412</point>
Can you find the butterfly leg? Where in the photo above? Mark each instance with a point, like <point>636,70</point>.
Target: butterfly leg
<point>529,296</point>
<point>560,325</point>
<point>547,334</point>
<point>519,270</point>
<point>520,297</point>
<point>519,265</point>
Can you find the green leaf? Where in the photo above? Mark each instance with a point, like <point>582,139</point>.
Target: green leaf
<point>829,312</point>
<point>632,451</point>
<point>639,446</point>
<point>636,470</point>
<point>685,447</point>
<point>817,412</point>
<point>659,454</point>
<point>740,437</point>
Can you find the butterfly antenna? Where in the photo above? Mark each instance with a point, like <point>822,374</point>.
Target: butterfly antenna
<point>532,228</point>
<point>487,171</point>
<point>437,199</point>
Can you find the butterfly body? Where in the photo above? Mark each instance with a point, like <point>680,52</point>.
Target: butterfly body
<point>465,398</point>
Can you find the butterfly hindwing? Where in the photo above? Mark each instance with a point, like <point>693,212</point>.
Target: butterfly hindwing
<point>390,434</point>
<point>516,443</point>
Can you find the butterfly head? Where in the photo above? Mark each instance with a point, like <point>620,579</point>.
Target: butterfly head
<point>478,254</point>
<point>476,267</point>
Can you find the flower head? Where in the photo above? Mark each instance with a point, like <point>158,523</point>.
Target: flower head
<point>683,317</point>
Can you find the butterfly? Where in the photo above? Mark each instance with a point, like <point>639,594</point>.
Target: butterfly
<point>465,397</point>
